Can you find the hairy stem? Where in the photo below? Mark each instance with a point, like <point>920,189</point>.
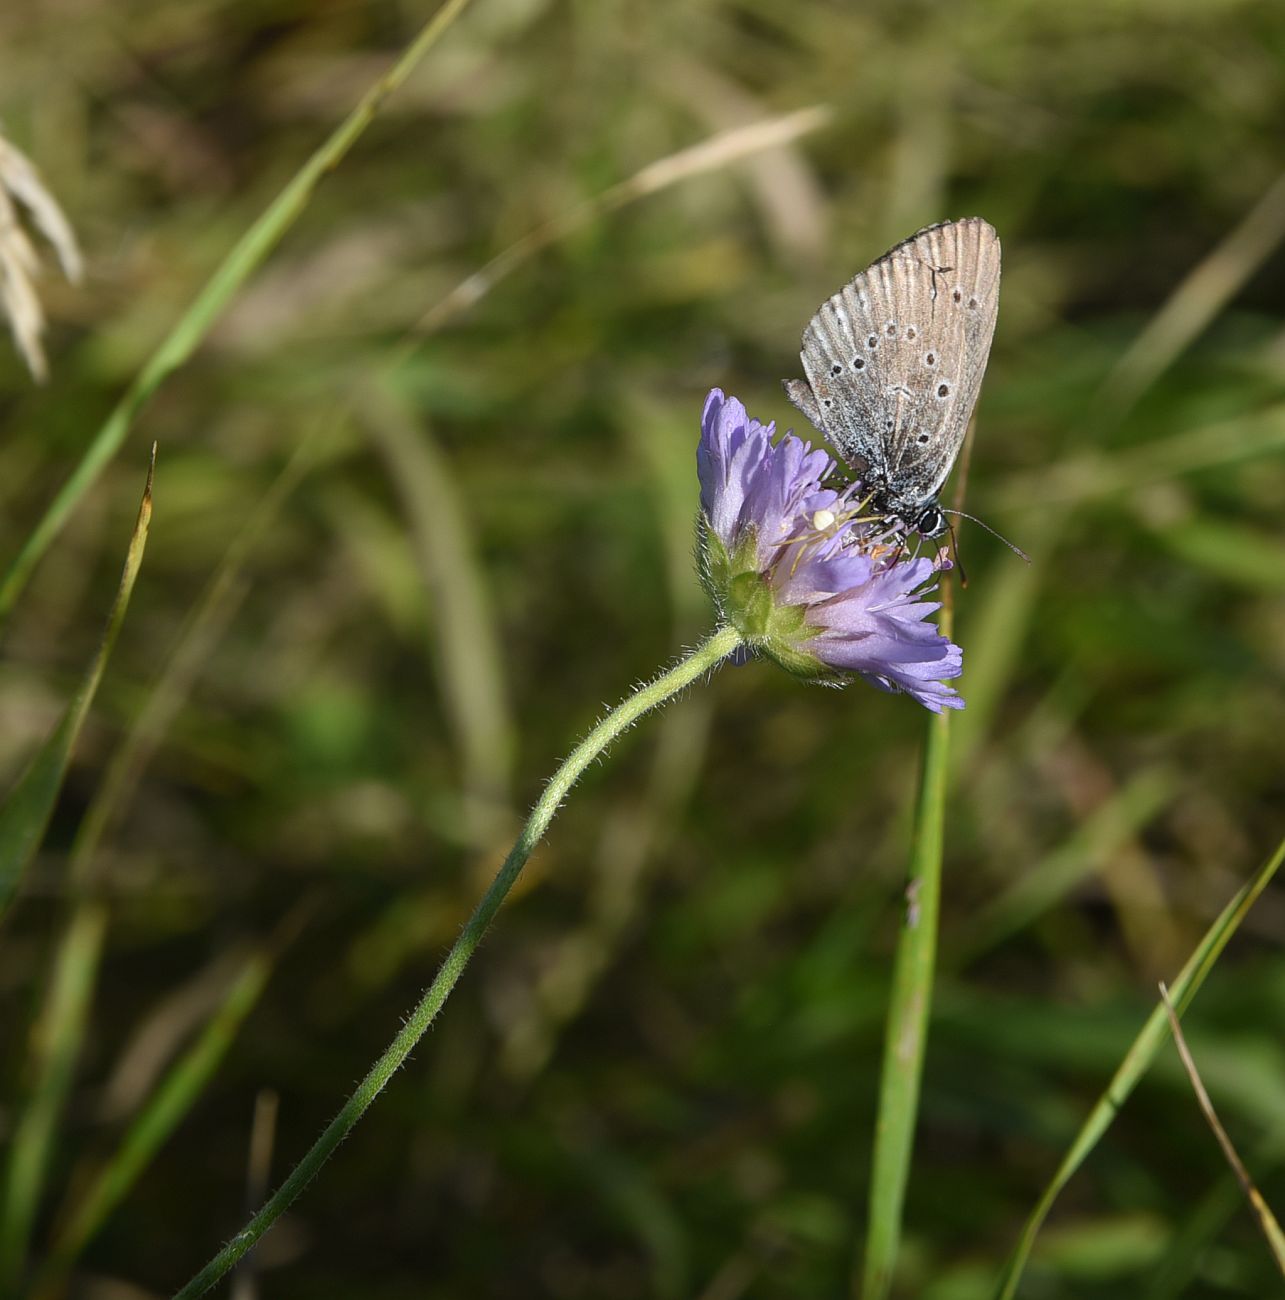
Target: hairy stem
<point>704,658</point>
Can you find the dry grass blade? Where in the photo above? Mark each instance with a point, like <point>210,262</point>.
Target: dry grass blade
<point>190,330</point>
<point>201,630</point>
<point>1199,299</point>
<point>1137,1061</point>
<point>787,193</point>
<point>22,181</point>
<point>25,813</point>
<point>24,817</point>
<point>76,960</point>
<point>1100,835</point>
<point>630,845</point>
<point>998,634</point>
<point>466,640</point>
<point>1092,476</point>
<point>98,1193</point>
<point>709,155</point>
<point>22,190</point>
<point>1262,1211</point>
<point>258,1173</point>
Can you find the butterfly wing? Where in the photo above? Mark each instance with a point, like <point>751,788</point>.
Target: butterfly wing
<point>895,359</point>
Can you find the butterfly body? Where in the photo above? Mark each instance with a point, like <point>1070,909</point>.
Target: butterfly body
<point>894,362</point>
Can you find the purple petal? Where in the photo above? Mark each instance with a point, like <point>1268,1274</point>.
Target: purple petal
<point>749,482</point>
<point>863,615</point>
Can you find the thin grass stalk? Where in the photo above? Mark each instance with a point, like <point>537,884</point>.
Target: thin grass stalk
<point>23,821</point>
<point>58,1036</point>
<point>1136,1062</point>
<point>203,626</point>
<point>1000,627</point>
<point>1267,1221</point>
<point>631,836</point>
<point>908,1012</point>
<point>173,1098</point>
<point>1173,1275</point>
<point>708,155</point>
<point>914,969</point>
<point>207,618</point>
<point>1048,882</point>
<point>245,257</point>
<point>76,961</point>
<point>25,814</point>
<point>700,662</point>
<point>465,640</point>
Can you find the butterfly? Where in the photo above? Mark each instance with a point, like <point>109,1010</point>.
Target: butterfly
<point>894,362</point>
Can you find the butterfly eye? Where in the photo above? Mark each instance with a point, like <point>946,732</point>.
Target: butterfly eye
<point>972,302</point>
<point>890,329</point>
<point>911,332</point>
<point>923,438</point>
<point>930,359</point>
<point>858,363</point>
<point>872,341</point>
<point>957,296</point>
<point>943,390</point>
<point>835,369</point>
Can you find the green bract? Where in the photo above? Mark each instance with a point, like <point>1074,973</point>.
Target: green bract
<point>746,599</point>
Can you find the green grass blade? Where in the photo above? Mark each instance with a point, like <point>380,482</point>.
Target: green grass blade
<point>1202,296</point>
<point>711,154</point>
<point>75,963</point>
<point>912,983</point>
<point>204,625</point>
<point>25,814</point>
<point>174,1097</point>
<point>1174,1274</point>
<point>56,1047</point>
<point>466,641</point>
<point>1253,558</point>
<point>910,1005</point>
<point>244,258</point>
<point>1136,1062</point>
<point>1267,1221</point>
<point>1094,476</point>
<point>1041,886</point>
<point>1195,303</point>
<point>23,820</point>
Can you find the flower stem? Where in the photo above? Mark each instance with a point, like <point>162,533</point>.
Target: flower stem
<point>908,1011</point>
<point>912,986</point>
<point>704,658</point>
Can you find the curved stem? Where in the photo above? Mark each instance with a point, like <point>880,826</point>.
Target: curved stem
<point>705,657</point>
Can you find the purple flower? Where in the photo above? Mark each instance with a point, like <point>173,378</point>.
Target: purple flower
<point>792,566</point>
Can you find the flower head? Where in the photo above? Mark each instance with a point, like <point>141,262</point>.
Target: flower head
<point>805,580</point>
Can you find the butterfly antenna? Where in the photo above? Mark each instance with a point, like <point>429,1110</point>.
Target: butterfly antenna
<point>954,546</point>
<point>1017,550</point>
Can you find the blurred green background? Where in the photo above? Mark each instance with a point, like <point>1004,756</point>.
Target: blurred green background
<point>658,1077</point>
